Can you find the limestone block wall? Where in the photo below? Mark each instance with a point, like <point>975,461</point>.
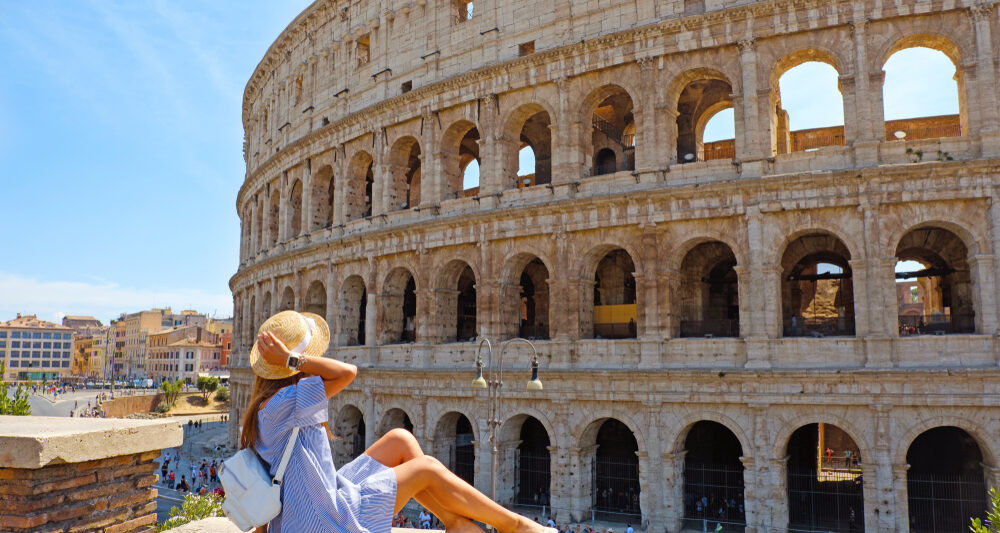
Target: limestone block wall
<point>92,475</point>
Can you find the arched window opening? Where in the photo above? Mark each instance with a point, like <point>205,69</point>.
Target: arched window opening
<point>613,148</point>
<point>316,299</point>
<point>360,181</point>
<point>350,432</point>
<point>466,318</point>
<point>454,445</point>
<point>614,297</point>
<point>470,179</point>
<point>536,135</point>
<point>322,198</point>
<point>817,289</point>
<point>809,108</point>
<point>825,489</point>
<point>266,311</point>
<point>719,136</point>
<point>399,302</point>
<point>354,304</point>
<point>699,101</point>
<point>404,174</point>
<point>945,483</point>
<point>252,322</point>
<point>273,213</point>
<point>713,477</point>
<point>709,295</point>
<point>533,476</point>
<point>295,216</point>
<point>922,94</point>
<point>605,162</point>
<point>533,320</point>
<point>287,300</point>
<point>616,474</point>
<point>933,284</point>
<point>525,166</point>
<point>392,419</point>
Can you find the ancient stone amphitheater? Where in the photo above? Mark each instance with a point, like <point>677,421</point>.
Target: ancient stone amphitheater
<point>724,329</point>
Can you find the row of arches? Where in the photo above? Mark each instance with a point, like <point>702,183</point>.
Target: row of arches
<point>609,137</point>
<point>824,485</point>
<point>934,287</point>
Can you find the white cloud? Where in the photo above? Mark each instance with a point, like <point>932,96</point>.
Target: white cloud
<point>51,300</point>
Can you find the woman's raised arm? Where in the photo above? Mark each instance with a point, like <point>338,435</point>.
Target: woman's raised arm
<point>336,375</point>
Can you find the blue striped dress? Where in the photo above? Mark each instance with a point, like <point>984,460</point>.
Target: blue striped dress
<point>315,497</point>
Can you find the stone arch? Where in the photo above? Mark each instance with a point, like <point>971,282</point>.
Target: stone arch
<point>687,422</point>
<point>404,174</point>
<point>392,418</point>
<point>713,481</point>
<point>608,293</point>
<point>526,463</point>
<point>358,194</point>
<point>973,242</point>
<point>585,432</point>
<point>454,438</point>
<point>609,110</point>
<point>323,185</point>
<point>613,447</point>
<point>295,209</point>
<point>316,299</point>
<point>350,430</point>
<point>398,297</point>
<point>457,301</point>
<point>783,140</point>
<point>817,289</point>
<point>951,48</point>
<point>825,489</point>
<point>459,147</point>
<point>273,214</point>
<point>287,302</point>
<point>529,125</point>
<point>924,423</point>
<point>942,292</point>
<point>353,303</point>
<point>787,428</point>
<point>524,298</point>
<point>694,93</point>
<point>707,291</point>
<point>266,310</point>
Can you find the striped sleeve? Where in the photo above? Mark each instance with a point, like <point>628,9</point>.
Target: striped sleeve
<point>299,405</point>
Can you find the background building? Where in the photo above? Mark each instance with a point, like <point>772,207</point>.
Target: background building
<point>710,318</point>
<point>35,349</point>
<point>182,352</point>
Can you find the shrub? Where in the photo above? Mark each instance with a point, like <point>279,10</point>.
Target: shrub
<point>193,509</point>
<point>992,516</point>
<point>16,404</point>
<point>222,394</point>
<point>162,407</point>
<point>207,385</point>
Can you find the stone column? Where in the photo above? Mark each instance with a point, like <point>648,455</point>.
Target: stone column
<point>332,318</point>
<point>743,291</point>
<point>755,117</point>
<point>308,200</point>
<point>995,234</point>
<point>340,186</point>
<point>580,494</point>
<point>648,155</point>
<point>862,295</point>
<point>900,498</point>
<point>371,318</point>
<point>483,452</point>
<point>846,86</point>
<point>982,268</point>
<point>433,179</point>
<point>987,110</point>
<point>370,414</point>
<point>867,107</point>
<point>673,490</point>
<point>667,283</point>
<point>283,208</point>
<point>568,158</point>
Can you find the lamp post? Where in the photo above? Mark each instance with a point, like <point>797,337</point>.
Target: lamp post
<point>495,386</point>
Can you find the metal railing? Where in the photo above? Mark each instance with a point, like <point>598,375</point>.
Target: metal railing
<point>719,327</point>
<point>713,495</point>
<point>944,504</point>
<point>533,479</point>
<point>615,331</point>
<point>936,324</point>
<point>818,327</point>
<point>829,501</point>
<point>616,489</point>
<point>533,331</point>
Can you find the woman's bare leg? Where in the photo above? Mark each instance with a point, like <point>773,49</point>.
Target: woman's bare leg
<point>427,474</point>
<point>399,446</point>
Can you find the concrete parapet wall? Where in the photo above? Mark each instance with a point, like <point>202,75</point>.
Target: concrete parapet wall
<point>86,475</point>
<point>130,405</point>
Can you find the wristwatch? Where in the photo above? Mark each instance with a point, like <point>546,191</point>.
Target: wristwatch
<point>295,360</point>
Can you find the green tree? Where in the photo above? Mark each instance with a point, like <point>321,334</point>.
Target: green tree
<point>171,390</point>
<point>992,516</point>
<point>207,385</point>
<point>222,394</point>
<point>193,508</point>
<point>16,404</point>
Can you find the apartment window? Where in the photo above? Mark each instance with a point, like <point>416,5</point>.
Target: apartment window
<point>15,334</point>
<point>36,335</point>
<point>15,354</point>
<point>45,363</point>
<point>364,50</point>
<point>47,345</point>
<point>36,355</point>
<point>189,355</point>
<point>188,368</point>
<point>36,345</point>
<point>3,344</point>
<point>15,364</point>
<point>47,335</point>
<point>65,364</point>
<point>3,334</point>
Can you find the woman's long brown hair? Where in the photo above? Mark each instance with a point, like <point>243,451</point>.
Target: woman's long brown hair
<point>263,389</point>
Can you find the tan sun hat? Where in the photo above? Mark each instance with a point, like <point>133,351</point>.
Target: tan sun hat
<point>304,333</point>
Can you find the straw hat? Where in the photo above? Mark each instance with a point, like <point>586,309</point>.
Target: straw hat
<point>304,333</point>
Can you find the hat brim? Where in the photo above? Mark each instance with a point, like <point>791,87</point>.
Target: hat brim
<point>317,346</point>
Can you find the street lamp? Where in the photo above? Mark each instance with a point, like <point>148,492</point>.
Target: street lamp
<point>495,386</point>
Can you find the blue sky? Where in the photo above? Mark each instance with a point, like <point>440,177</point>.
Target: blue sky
<point>121,150</point>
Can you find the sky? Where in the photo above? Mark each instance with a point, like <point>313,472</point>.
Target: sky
<point>121,147</point>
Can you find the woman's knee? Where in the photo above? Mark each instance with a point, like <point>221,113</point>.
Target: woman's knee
<point>404,437</point>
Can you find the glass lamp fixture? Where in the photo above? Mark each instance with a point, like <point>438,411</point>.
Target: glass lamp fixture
<point>535,383</point>
<point>479,382</point>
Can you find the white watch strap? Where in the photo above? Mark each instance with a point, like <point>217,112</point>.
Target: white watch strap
<point>286,455</point>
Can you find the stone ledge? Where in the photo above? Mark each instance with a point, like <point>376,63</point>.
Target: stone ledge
<point>223,525</point>
<point>39,441</point>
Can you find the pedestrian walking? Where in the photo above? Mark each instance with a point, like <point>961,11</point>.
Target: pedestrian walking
<point>847,458</point>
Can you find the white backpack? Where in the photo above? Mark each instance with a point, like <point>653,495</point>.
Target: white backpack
<point>253,498</point>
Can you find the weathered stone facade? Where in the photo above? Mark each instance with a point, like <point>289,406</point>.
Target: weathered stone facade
<point>662,289</point>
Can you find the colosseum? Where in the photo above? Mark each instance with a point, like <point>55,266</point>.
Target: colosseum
<point>724,331</point>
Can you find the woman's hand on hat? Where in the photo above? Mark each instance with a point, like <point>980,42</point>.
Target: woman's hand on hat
<point>272,350</point>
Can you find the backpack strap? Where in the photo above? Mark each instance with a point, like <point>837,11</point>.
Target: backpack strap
<point>285,456</point>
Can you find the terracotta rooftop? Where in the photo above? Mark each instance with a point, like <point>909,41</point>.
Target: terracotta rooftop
<point>31,321</point>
